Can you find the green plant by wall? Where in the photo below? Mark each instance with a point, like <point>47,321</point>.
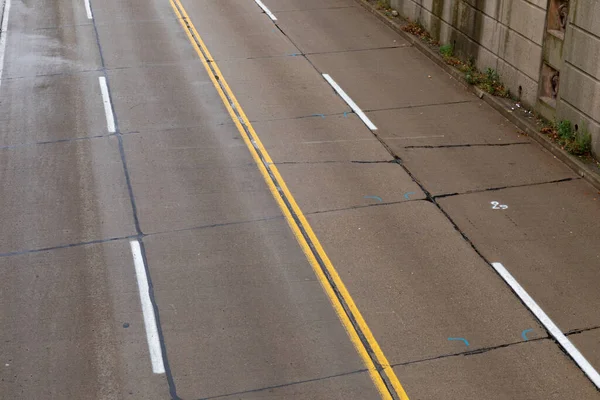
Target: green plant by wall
<point>575,141</point>
<point>447,50</point>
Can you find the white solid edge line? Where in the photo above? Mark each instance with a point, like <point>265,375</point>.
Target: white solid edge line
<point>3,34</point>
<point>266,10</point>
<point>156,357</point>
<point>350,102</point>
<point>88,9</point>
<point>110,118</point>
<point>551,326</point>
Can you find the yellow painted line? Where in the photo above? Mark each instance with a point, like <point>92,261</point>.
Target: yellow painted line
<point>255,145</point>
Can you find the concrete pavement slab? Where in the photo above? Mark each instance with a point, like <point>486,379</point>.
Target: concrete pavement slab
<point>108,11</point>
<point>26,16</point>
<point>280,88</point>
<point>547,238</point>
<point>51,51</point>
<point>330,186</point>
<point>444,125</point>
<point>219,9</point>
<point>134,44</point>
<point>337,29</point>
<point>301,5</point>
<point>417,282</point>
<point>390,78</point>
<point>62,193</point>
<point>55,108</point>
<point>63,335</point>
<point>165,97</point>
<point>534,371</point>
<point>181,181</point>
<point>242,310</point>
<point>588,343</point>
<point>320,138</point>
<point>464,169</point>
<point>242,35</point>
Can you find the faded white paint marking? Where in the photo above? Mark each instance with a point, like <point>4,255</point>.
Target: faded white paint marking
<point>88,9</point>
<point>497,206</point>
<point>550,326</point>
<point>350,102</point>
<point>3,35</point>
<point>266,10</point>
<point>110,117</point>
<point>156,357</point>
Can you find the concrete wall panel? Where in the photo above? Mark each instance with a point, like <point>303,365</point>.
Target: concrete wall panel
<point>524,18</point>
<point>581,91</point>
<point>522,54</point>
<point>513,78</point>
<point>583,51</point>
<point>586,14</point>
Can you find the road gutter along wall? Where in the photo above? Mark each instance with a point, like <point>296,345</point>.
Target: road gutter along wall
<point>547,52</point>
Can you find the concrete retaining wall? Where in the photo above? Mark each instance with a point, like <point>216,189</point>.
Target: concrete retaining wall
<point>521,40</point>
<point>505,35</point>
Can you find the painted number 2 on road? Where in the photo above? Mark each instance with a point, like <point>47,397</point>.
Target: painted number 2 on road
<point>498,206</point>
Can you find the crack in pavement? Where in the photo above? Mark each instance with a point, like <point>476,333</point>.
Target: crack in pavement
<point>137,236</point>
<point>471,352</point>
<point>578,331</point>
<point>335,162</point>
<point>441,196</point>
<point>450,146</point>
<point>360,371</point>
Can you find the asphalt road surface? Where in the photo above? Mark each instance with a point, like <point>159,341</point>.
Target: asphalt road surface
<point>229,199</point>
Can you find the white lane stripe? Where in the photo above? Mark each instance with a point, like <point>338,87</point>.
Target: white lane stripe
<point>3,34</point>
<point>351,103</point>
<point>156,357</point>
<point>266,10</point>
<point>547,322</point>
<point>110,117</point>
<point>88,9</point>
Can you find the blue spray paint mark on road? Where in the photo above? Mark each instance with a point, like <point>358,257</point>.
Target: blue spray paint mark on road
<point>407,195</point>
<point>375,197</point>
<point>345,114</point>
<point>319,115</point>
<point>524,334</point>
<point>459,338</point>
<point>295,54</point>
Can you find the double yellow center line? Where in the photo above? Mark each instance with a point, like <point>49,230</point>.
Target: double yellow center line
<point>381,372</point>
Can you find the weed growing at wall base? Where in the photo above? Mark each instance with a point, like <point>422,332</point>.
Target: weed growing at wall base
<point>447,50</point>
<point>488,80</point>
<point>575,141</point>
